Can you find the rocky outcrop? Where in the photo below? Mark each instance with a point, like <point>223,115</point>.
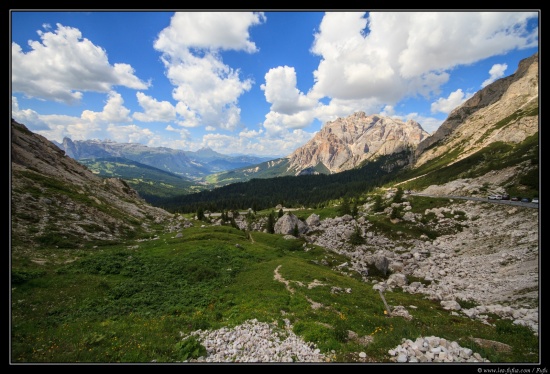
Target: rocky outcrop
<point>490,256</point>
<point>346,142</point>
<point>433,349</point>
<point>506,110</point>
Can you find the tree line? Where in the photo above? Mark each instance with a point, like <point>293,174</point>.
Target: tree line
<point>291,191</point>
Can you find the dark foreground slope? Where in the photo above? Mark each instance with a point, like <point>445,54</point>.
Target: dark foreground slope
<point>57,201</point>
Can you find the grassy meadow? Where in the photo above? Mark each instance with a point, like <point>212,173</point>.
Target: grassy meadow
<point>131,302</point>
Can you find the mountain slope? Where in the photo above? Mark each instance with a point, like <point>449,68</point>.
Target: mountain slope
<point>151,183</point>
<point>55,199</point>
<point>506,111</point>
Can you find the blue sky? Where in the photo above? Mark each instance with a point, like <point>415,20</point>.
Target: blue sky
<point>260,83</point>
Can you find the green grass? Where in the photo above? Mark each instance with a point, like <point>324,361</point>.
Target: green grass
<point>495,156</point>
<point>132,302</point>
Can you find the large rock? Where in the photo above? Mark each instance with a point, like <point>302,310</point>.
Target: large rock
<point>285,225</point>
<point>313,220</point>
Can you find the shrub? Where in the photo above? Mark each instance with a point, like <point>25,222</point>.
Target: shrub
<point>22,276</point>
<point>190,348</point>
<point>341,331</point>
<point>356,238</point>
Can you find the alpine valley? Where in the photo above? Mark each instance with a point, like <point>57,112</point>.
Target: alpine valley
<point>374,242</point>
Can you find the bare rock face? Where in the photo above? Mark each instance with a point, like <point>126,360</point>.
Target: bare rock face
<point>506,110</point>
<point>343,144</point>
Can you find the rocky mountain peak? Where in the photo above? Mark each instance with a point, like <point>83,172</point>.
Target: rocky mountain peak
<point>346,142</point>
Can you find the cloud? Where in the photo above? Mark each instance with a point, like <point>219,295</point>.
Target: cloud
<point>207,90</point>
<point>129,133</point>
<point>64,65</point>
<point>111,123</point>
<point>250,141</point>
<point>496,72</point>
<point>278,123</point>
<point>155,111</point>
<point>250,134</point>
<point>429,124</point>
<point>209,31</point>
<point>280,90</point>
<point>388,56</point>
<point>446,105</point>
<point>113,111</point>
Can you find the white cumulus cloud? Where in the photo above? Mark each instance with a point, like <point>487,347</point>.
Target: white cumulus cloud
<point>446,105</point>
<point>497,71</point>
<point>207,90</point>
<point>161,111</point>
<point>280,90</point>
<point>381,58</point>
<point>64,65</point>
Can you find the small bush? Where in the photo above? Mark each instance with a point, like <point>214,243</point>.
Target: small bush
<point>190,348</point>
<point>341,332</point>
<point>22,276</point>
<point>356,238</point>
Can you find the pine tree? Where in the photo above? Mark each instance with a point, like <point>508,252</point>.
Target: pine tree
<point>356,238</point>
<point>296,232</point>
<point>377,207</point>
<point>271,223</point>
<point>344,207</point>
<point>398,197</point>
<point>281,213</point>
<point>200,214</point>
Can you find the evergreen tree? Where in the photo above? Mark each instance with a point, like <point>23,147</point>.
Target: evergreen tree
<point>200,214</point>
<point>356,238</point>
<point>271,223</point>
<point>296,232</point>
<point>395,213</point>
<point>377,207</point>
<point>344,207</point>
<point>281,213</point>
<point>398,197</point>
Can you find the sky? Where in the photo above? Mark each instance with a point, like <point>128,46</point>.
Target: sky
<point>256,83</point>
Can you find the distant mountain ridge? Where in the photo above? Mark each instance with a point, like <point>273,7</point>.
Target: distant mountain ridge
<point>188,164</point>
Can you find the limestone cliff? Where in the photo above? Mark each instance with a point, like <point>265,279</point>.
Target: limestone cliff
<point>346,142</point>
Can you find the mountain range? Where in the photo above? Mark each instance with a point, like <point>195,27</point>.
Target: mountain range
<point>191,165</point>
<point>343,144</point>
<point>346,143</point>
<point>496,128</point>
